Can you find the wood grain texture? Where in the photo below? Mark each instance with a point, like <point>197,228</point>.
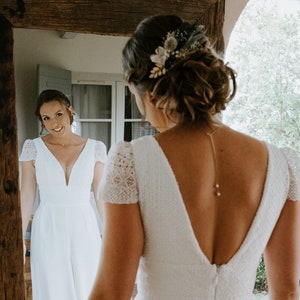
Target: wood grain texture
<point>115,17</point>
<point>11,241</point>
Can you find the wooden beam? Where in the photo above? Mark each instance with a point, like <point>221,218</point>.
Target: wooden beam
<point>115,17</point>
<point>11,241</point>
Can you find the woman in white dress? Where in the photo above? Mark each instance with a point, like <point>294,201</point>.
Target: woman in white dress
<point>188,212</point>
<point>65,236</point>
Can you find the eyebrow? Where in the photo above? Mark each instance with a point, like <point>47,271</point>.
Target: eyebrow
<point>55,113</point>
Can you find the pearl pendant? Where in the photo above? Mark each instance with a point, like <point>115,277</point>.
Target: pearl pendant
<point>218,193</point>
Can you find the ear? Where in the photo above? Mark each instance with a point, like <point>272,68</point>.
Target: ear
<point>150,98</point>
<point>70,109</point>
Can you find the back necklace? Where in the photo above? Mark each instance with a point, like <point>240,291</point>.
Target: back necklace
<point>217,185</point>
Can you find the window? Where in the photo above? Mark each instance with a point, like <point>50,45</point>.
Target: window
<point>94,113</point>
<point>106,111</point>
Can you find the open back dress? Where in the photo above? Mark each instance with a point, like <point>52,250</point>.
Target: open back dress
<point>172,265</point>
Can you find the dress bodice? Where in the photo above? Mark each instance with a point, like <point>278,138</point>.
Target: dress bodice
<point>173,265</point>
<point>50,175</point>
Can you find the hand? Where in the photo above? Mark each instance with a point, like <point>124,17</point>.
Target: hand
<point>24,250</point>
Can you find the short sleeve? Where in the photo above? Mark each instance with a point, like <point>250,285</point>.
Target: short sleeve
<point>294,173</point>
<point>119,184</point>
<point>100,152</point>
<point>28,151</point>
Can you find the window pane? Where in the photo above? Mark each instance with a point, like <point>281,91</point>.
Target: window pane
<point>133,130</point>
<point>131,110</point>
<point>92,101</point>
<point>98,131</point>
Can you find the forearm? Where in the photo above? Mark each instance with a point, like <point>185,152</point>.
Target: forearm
<point>282,255</point>
<point>122,247</point>
<point>26,211</point>
<point>28,192</point>
<point>99,205</point>
<point>284,295</point>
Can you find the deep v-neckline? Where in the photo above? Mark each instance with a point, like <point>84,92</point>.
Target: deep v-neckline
<point>66,178</point>
<point>187,220</point>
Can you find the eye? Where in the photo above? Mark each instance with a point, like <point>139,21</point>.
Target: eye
<point>59,114</point>
<point>45,118</point>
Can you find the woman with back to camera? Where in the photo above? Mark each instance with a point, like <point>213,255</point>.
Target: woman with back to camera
<point>194,207</point>
<point>65,237</point>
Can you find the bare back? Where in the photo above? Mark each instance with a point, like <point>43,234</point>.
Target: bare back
<point>220,224</point>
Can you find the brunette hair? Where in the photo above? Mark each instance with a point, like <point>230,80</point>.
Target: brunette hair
<point>196,86</point>
<point>52,95</point>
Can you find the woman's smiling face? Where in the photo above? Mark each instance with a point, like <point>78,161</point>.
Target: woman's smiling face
<point>56,117</point>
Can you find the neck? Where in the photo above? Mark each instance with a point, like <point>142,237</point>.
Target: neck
<point>62,141</point>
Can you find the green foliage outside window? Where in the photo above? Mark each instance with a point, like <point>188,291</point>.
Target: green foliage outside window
<point>264,50</point>
<point>261,284</point>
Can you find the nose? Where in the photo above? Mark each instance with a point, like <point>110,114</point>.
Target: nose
<point>53,122</point>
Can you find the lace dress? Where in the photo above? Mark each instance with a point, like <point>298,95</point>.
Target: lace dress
<point>173,265</point>
<point>65,237</point>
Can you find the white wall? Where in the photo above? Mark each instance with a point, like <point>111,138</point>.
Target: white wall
<point>233,9</point>
<point>84,53</point>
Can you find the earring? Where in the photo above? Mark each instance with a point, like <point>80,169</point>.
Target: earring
<point>42,129</point>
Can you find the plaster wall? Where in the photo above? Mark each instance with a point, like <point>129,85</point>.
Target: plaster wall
<point>84,53</point>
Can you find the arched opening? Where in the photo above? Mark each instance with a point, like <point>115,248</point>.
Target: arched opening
<point>264,50</point>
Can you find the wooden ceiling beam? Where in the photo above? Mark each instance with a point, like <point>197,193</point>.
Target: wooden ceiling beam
<point>115,17</point>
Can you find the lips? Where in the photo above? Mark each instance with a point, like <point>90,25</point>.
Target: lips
<point>58,129</point>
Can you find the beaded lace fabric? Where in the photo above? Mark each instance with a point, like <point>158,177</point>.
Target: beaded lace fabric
<point>172,265</point>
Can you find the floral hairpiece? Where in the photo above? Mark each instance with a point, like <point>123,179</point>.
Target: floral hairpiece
<point>176,45</point>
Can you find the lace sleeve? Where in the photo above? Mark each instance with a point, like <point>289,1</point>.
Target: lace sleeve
<point>100,152</point>
<point>294,173</point>
<point>119,184</point>
<point>28,151</point>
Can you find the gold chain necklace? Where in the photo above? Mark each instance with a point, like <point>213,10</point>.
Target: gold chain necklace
<point>217,185</point>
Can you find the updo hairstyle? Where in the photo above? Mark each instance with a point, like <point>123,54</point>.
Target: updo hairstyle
<point>193,89</point>
<point>49,96</point>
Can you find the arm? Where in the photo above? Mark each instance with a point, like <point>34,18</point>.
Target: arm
<point>282,255</point>
<point>28,192</point>
<point>122,246</point>
<point>98,172</point>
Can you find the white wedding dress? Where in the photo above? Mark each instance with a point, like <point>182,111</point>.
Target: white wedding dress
<point>65,237</point>
<point>173,266</point>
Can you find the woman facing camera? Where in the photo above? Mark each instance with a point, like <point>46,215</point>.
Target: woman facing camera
<point>65,237</point>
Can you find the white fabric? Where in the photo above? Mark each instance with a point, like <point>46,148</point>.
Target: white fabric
<point>65,237</point>
<point>172,265</point>
<point>29,151</point>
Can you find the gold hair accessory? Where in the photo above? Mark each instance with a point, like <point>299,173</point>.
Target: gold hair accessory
<point>176,45</point>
